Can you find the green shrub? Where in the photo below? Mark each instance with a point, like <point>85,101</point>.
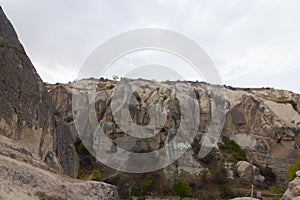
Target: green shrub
<point>219,174</point>
<point>96,175</point>
<point>182,189</point>
<point>291,174</point>
<point>278,191</point>
<point>204,175</point>
<point>225,192</point>
<point>196,145</point>
<point>234,149</point>
<point>269,175</point>
<point>148,181</point>
<point>80,174</point>
<point>12,155</point>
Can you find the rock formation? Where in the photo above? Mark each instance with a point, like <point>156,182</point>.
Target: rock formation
<point>293,191</point>
<point>249,172</point>
<point>256,119</point>
<point>27,114</point>
<point>22,181</point>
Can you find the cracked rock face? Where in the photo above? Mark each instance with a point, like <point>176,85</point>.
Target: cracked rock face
<point>255,119</point>
<point>27,114</point>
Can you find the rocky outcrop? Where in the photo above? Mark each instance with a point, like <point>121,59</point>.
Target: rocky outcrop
<point>27,114</point>
<point>293,191</point>
<point>249,172</point>
<point>20,180</point>
<point>258,120</point>
<point>255,119</point>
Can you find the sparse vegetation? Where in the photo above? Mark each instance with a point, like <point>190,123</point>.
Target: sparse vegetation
<point>148,182</point>
<point>291,174</point>
<point>12,155</point>
<point>234,149</point>
<point>219,174</point>
<point>278,191</point>
<point>182,189</point>
<point>96,175</point>
<point>269,175</point>
<point>80,174</point>
<point>204,175</point>
<point>225,192</point>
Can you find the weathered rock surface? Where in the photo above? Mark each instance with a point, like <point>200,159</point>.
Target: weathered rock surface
<point>249,172</point>
<point>36,147</point>
<point>293,191</point>
<point>19,180</point>
<point>255,119</point>
<point>258,121</point>
<point>27,114</point>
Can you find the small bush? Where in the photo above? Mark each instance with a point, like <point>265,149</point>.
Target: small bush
<point>148,181</point>
<point>196,145</point>
<point>234,149</point>
<point>278,191</point>
<point>80,174</point>
<point>96,175</point>
<point>182,189</point>
<point>225,192</point>
<point>219,174</point>
<point>13,156</point>
<point>269,175</point>
<point>291,174</point>
<point>204,175</point>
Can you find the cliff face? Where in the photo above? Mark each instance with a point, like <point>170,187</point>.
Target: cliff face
<point>27,114</point>
<point>263,122</point>
<point>36,148</point>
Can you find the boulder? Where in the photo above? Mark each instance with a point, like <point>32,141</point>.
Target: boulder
<point>293,190</point>
<point>249,172</point>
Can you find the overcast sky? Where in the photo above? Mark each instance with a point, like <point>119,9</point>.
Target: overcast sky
<point>252,43</point>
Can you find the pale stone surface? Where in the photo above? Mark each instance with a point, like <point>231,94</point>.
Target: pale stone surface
<point>249,172</point>
<point>293,191</point>
<point>19,180</point>
<point>267,138</point>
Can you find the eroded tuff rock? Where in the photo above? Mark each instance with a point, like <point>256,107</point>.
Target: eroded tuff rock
<point>256,119</point>
<point>19,180</point>
<point>27,114</point>
<point>293,191</point>
<point>249,172</point>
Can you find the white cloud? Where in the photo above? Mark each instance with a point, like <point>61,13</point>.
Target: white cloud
<point>247,40</point>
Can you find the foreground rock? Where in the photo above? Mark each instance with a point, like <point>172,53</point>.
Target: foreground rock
<point>293,191</point>
<point>19,180</point>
